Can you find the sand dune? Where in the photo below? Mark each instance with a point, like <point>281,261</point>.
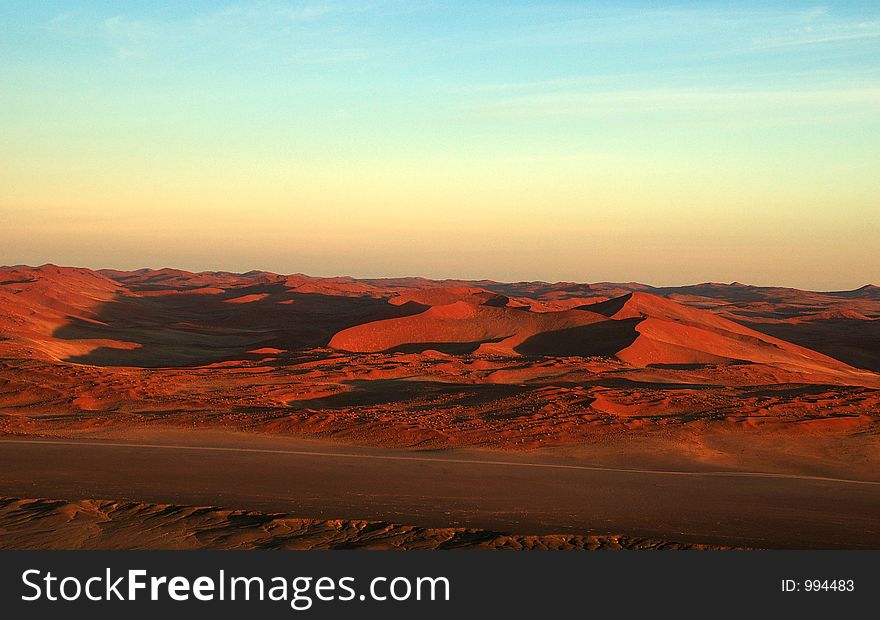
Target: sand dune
<point>671,333</point>
<point>638,328</point>
<point>97,524</point>
<point>35,302</point>
<point>461,326</point>
<point>415,362</point>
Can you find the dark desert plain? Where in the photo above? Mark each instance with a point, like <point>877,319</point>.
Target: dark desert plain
<point>169,409</point>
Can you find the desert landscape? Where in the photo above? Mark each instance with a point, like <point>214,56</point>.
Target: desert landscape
<point>259,410</point>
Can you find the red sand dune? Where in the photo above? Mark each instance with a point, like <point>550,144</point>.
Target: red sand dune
<point>675,334</point>
<point>95,524</point>
<point>462,327</point>
<point>638,328</point>
<point>246,299</point>
<point>410,361</point>
<point>36,301</point>
<point>447,295</point>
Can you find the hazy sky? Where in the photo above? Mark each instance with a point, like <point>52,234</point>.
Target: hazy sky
<point>509,140</point>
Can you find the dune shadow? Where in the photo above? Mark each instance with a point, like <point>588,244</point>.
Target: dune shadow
<point>18,281</point>
<point>186,328</point>
<point>598,339</point>
<point>637,384</point>
<point>609,307</point>
<point>794,390</point>
<point>387,391</point>
<point>450,348</point>
<point>853,341</point>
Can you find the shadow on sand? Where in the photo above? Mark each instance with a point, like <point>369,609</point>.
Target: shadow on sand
<point>598,339</point>
<point>189,328</point>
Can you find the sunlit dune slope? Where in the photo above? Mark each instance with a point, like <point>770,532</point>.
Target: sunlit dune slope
<point>460,327</point>
<point>670,333</point>
<point>638,328</point>
<point>36,301</point>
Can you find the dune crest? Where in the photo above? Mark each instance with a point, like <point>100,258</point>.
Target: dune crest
<point>638,328</point>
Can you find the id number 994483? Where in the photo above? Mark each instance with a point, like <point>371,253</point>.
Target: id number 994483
<point>818,585</point>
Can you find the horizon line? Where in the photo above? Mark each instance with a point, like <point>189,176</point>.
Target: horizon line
<point>733,283</point>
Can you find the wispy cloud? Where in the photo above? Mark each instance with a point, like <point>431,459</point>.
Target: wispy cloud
<point>866,31</point>
<point>695,60</point>
<point>297,32</point>
<point>330,55</point>
<point>712,102</point>
<point>130,38</point>
<point>685,79</point>
<point>819,28</point>
<point>271,11</point>
<point>708,30</point>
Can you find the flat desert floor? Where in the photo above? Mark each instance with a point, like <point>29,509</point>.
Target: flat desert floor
<point>676,500</point>
<point>166,409</point>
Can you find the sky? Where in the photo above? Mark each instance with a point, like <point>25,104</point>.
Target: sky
<point>665,143</point>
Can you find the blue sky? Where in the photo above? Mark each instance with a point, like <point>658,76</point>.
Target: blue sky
<point>517,140</point>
